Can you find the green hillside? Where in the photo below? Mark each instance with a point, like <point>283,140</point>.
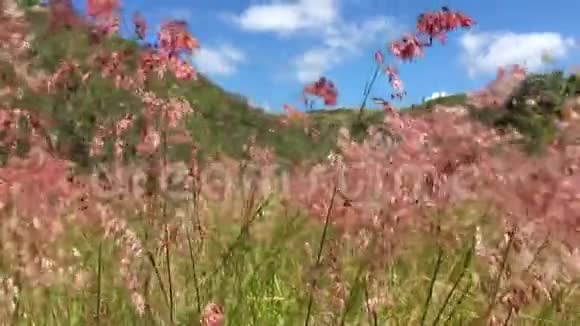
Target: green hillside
<point>223,121</point>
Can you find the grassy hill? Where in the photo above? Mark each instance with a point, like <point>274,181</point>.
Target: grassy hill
<point>223,121</point>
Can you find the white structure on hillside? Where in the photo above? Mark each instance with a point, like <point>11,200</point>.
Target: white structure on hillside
<point>434,96</point>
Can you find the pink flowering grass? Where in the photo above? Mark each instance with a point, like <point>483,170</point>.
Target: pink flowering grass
<point>432,218</point>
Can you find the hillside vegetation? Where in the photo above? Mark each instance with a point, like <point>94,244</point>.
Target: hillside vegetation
<point>223,122</point>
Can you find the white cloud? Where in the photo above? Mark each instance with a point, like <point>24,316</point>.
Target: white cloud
<point>221,60</point>
<point>288,17</point>
<point>485,52</point>
<point>313,63</point>
<point>338,39</point>
<point>266,106</point>
<point>350,35</point>
<point>340,42</point>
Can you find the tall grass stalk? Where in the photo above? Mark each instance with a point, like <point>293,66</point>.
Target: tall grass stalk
<point>243,233</point>
<point>463,295</point>
<point>319,255</point>
<point>497,283</point>
<point>159,278</point>
<point>465,267</point>
<point>194,271</point>
<point>438,264</point>
<point>372,314</point>
<point>367,91</point>
<point>99,281</point>
<point>169,278</point>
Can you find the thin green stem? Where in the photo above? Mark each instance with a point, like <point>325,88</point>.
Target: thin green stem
<point>159,279</point>
<point>438,264</point>
<point>194,269</point>
<point>99,281</point>
<point>367,91</point>
<point>493,298</point>
<point>169,278</point>
<point>466,263</point>
<point>319,255</point>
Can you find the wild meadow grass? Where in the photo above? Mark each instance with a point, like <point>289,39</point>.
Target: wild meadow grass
<point>453,224</point>
<point>273,267</point>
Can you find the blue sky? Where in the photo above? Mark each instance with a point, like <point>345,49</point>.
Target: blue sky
<point>266,50</point>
